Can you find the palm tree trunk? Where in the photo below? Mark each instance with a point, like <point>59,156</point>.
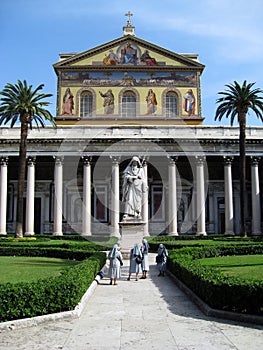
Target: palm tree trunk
<point>242,173</point>
<point>21,178</point>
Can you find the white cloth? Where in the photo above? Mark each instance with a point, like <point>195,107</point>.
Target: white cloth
<point>134,267</point>
<point>115,266</point>
<point>144,250</point>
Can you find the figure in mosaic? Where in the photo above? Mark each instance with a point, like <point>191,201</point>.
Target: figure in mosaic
<point>151,102</point>
<point>68,103</point>
<point>189,102</point>
<point>133,186</point>
<point>128,55</point>
<point>111,59</point>
<point>108,103</point>
<point>147,59</point>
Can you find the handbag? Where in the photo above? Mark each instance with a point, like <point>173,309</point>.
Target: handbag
<point>138,260</point>
<point>159,258</point>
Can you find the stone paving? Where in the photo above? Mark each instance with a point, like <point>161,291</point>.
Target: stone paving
<point>145,314</point>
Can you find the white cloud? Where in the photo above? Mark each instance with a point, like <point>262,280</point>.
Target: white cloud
<point>234,28</point>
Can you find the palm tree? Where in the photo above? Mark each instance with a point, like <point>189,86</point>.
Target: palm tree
<point>21,103</point>
<point>236,102</point>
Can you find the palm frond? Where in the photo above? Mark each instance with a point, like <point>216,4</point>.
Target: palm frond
<point>237,100</point>
<point>21,99</point>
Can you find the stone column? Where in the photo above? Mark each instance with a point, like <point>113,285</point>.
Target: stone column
<point>145,204</point>
<point>211,212</point>
<point>30,197</point>
<point>3,194</point>
<point>229,208</point>
<point>255,192</point>
<point>115,198</point>
<point>172,200</point>
<point>200,196</point>
<point>58,196</point>
<point>192,208</point>
<point>86,208</point>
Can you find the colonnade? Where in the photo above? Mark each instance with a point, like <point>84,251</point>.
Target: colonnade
<point>115,205</point>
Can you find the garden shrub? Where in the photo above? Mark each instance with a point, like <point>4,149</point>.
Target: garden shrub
<point>217,290</point>
<point>50,295</point>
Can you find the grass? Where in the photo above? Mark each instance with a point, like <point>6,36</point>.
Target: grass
<point>248,267</point>
<point>28,269</point>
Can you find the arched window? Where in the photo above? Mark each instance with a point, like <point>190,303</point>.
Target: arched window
<point>86,104</point>
<point>128,107</point>
<point>171,105</point>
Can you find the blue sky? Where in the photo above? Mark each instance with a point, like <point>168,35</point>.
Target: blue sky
<point>227,35</point>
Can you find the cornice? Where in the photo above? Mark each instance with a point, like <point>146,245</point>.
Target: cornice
<point>132,140</point>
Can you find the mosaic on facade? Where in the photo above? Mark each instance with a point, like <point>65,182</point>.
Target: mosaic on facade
<point>119,78</point>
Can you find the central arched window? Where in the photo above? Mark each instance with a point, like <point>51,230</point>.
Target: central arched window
<point>128,107</point>
<point>171,105</point>
<point>86,104</point>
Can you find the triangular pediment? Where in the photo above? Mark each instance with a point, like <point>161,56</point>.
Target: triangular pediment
<point>128,51</point>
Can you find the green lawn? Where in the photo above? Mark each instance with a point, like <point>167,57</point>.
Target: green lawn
<point>27,269</point>
<point>243,266</point>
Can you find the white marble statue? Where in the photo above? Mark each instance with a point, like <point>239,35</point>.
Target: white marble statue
<point>134,184</point>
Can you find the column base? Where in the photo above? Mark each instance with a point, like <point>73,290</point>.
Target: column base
<point>115,232</point>
<point>3,233</point>
<point>86,236</point>
<point>173,234</point>
<point>29,234</point>
<point>57,234</point>
<point>229,233</point>
<point>201,233</point>
<point>257,233</point>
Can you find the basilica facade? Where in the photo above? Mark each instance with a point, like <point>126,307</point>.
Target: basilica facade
<point>128,98</point>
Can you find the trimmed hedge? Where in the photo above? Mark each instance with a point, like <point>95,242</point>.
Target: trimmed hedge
<point>217,290</point>
<point>50,295</point>
<point>178,242</point>
<point>60,241</point>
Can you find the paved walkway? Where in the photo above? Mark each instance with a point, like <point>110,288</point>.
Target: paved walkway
<point>147,314</point>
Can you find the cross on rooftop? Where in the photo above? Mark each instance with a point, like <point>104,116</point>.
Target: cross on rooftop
<point>129,14</point>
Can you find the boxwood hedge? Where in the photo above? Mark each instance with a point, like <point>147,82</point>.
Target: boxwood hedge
<point>217,290</point>
<point>50,295</point>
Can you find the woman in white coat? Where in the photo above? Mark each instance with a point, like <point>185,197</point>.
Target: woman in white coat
<point>145,262</point>
<point>115,258</point>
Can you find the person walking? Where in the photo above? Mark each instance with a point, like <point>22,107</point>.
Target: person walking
<point>116,262</point>
<point>145,261</point>
<point>161,259</point>
<point>135,266</point>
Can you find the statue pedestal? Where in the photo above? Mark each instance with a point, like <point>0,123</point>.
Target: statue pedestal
<point>132,231</point>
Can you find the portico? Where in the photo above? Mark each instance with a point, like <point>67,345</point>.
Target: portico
<point>184,188</point>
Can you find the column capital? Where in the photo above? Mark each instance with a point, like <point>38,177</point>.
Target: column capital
<point>58,160</point>
<point>255,160</point>
<point>31,160</point>
<point>86,160</point>
<point>144,159</point>
<point>3,160</point>
<point>228,160</point>
<point>115,159</point>
<point>200,160</point>
<point>145,162</point>
<point>172,160</point>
